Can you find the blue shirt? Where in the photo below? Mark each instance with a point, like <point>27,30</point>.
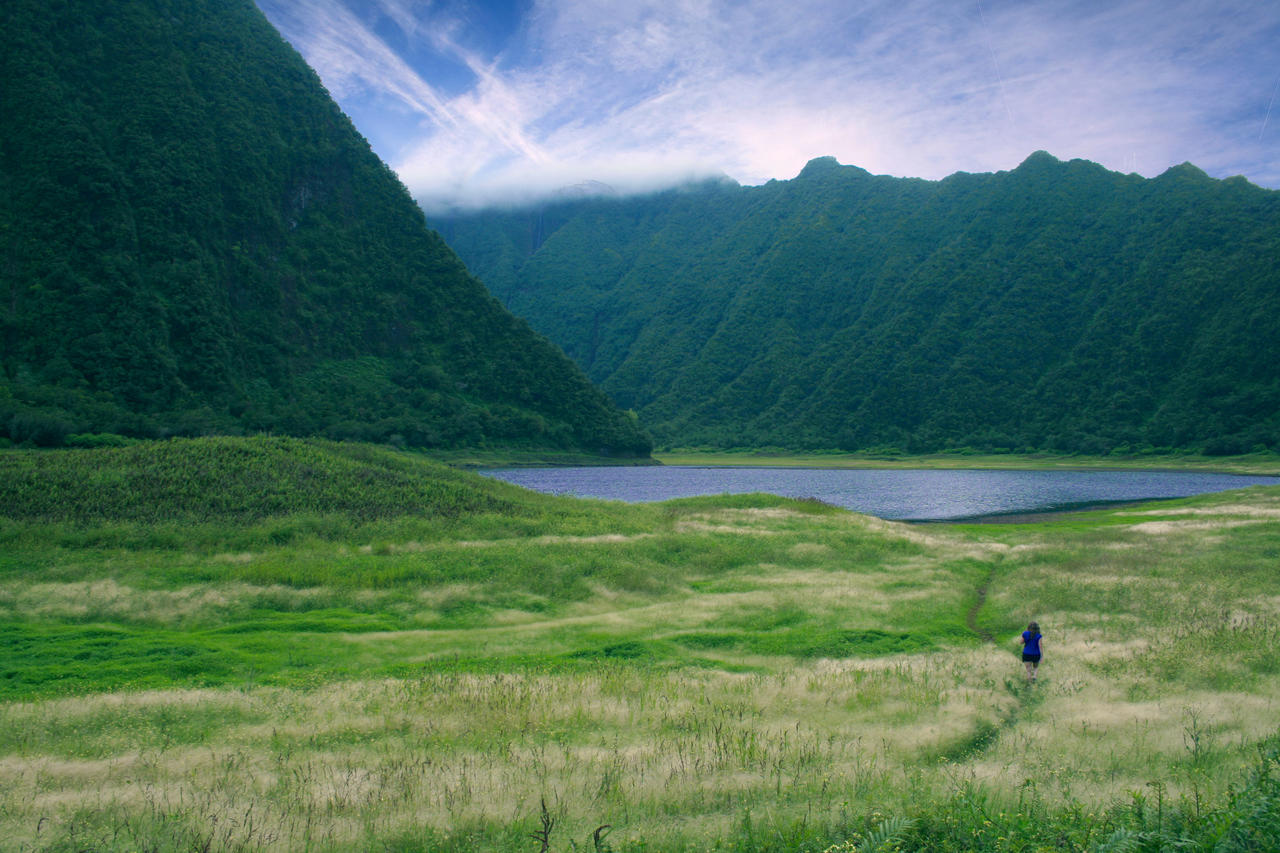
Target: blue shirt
<point>1030,643</point>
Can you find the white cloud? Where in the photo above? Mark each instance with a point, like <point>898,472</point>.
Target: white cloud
<point>634,94</point>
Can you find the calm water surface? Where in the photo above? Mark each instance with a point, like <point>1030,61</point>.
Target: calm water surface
<point>915,495</point>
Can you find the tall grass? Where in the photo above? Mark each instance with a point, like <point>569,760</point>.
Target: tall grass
<point>733,673</point>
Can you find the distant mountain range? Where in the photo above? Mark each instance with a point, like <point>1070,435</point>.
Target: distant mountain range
<point>1057,306</point>
<point>196,240</point>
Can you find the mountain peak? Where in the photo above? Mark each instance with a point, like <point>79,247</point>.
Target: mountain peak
<point>824,167</point>
<point>1038,160</point>
<point>1186,172</point>
<point>820,166</point>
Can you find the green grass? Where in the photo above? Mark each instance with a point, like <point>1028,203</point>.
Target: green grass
<point>353,648</point>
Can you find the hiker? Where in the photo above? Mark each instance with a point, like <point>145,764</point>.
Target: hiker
<point>1031,651</point>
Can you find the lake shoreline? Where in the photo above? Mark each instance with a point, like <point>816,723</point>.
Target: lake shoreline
<point>1040,515</point>
<point>1258,464</point>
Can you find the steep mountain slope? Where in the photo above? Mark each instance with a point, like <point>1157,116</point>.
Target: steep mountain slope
<point>1056,306</point>
<point>195,239</point>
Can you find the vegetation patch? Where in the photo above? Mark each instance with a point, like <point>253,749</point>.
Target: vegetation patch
<point>870,643</point>
<point>744,672</point>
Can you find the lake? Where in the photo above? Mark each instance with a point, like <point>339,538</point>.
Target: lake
<point>898,494</point>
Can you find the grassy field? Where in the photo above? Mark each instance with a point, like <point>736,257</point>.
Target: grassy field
<point>271,644</point>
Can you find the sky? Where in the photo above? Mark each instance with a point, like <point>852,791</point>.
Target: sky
<point>486,102</point>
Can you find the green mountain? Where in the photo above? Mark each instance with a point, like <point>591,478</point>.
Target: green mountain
<point>1058,306</point>
<point>196,240</point>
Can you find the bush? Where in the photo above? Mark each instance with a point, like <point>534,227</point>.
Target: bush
<point>98,439</point>
<point>41,428</point>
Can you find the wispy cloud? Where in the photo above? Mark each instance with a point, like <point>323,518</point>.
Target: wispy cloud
<point>654,91</point>
<point>353,62</point>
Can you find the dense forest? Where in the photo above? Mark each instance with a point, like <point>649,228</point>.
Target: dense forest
<point>196,240</point>
<point>1058,306</point>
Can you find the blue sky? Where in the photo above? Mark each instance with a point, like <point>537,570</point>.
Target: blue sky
<point>493,102</point>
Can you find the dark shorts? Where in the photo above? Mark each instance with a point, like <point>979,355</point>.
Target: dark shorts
<point>1032,658</point>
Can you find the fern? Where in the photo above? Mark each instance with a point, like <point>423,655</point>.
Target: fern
<point>1122,841</point>
<point>1254,822</point>
<point>887,835</point>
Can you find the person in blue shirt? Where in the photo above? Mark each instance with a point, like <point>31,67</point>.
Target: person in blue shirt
<point>1031,651</point>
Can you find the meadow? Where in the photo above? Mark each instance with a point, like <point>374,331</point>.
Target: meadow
<point>275,644</point>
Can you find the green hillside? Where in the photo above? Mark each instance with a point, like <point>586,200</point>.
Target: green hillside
<point>196,240</point>
<point>237,480</point>
<point>1058,306</point>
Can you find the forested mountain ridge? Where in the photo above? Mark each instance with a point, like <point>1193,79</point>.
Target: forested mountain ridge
<point>195,239</point>
<point>1057,306</point>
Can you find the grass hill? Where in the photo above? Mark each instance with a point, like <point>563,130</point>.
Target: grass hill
<point>224,480</point>
<point>1057,306</point>
<point>196,240</point>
